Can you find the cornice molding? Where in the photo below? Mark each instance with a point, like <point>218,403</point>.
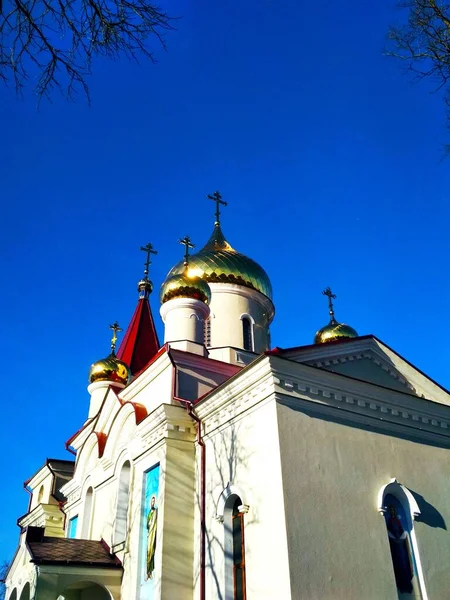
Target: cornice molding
<point>360,398</point>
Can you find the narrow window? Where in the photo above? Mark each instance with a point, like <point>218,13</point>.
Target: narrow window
<point>247,334</point>
<point>41,494</point>
<point>234,549</point>
<point>399,543</point>
<point>72,529</point>
<point>123,499</point>
<point>87,514</point>
<point>399,509</point>
<point>238,552</point>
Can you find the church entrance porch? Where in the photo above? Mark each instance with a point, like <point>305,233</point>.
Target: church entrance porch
<point>85,590</point>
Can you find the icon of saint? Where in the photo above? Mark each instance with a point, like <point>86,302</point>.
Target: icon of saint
<point>152,518</point>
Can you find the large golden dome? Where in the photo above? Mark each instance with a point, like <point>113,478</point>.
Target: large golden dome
<point>218,262</point>
<point>185,285</point>
<point>110,369</point>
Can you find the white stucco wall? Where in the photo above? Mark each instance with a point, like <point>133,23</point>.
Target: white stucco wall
<point>332,473</point>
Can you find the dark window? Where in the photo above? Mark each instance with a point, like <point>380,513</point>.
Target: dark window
<point>238,552</point>
<point>398,526</point>
<point>247,333</point>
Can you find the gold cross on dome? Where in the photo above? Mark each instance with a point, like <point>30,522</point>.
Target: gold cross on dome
<point>116,328</point>
<point>186,242</point>
<point>327,292</point>
<point>217,198</point>
<point>148,248</point>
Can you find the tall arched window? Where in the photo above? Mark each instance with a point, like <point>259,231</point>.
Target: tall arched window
<point>247,333</point>
<point>399,508</point>
<point>87,514</point>
<point>123,499</point>
<point>233,517</point>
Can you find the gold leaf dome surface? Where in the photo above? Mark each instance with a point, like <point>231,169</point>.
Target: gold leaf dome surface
<point>110,369</point>
<point>218,262</point>
<point>185,285</point>
<point>333,332</point>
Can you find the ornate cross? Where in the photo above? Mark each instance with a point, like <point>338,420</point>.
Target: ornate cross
<point>217,198</point>
<point>115,327</point>
<point>148,248</point>
<point>186,241</point>
<point>327,292</point>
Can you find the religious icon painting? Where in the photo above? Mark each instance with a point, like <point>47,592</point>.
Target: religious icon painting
<point>149,530</point>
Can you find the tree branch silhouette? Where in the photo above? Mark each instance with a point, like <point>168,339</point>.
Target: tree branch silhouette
<point>56,41</point>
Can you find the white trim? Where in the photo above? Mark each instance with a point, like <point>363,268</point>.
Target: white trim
<point>397,489</point>
<point>230,490</point>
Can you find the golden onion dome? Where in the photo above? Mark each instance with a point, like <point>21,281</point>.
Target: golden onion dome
<point>110,369</point>
<point>185,285</point>
<point>333,332</point>
<point>218,262</point>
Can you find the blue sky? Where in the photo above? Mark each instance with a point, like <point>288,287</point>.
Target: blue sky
<point>328,156</point>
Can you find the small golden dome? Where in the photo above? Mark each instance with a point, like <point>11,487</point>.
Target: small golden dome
<point>185,285</point>
<point>333,332</point>
<point>110,369</point>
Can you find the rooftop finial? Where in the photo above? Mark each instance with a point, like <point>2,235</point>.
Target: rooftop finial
<point>148,248</point>
<point>145,285</point>
<point>115,328</point>
<point>186,242</point>
<point>217,198</point>
<point>327,292</point>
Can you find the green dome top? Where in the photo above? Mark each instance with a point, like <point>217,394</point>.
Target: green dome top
<point>218,262</point>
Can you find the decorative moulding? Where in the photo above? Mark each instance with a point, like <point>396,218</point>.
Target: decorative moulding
<point>397,489</point>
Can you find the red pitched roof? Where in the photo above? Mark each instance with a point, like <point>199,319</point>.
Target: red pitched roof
<point>140,343</point>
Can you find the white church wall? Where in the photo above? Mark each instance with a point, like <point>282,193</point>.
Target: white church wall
<point>332,473</point>
<point>153,387</point>
<point>243,454</point>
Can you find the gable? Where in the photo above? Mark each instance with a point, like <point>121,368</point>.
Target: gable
<point>370,368</point>
<point>368,359</point>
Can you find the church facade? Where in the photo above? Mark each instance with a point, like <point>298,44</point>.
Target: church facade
<point>215,467</point>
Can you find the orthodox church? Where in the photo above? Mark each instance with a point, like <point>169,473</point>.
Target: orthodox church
<point>215,466</point>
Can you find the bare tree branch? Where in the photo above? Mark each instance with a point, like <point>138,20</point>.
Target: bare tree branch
<point>423,43</point>
<point>54,42</point>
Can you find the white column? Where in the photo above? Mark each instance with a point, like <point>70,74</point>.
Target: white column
<point>98,391</point>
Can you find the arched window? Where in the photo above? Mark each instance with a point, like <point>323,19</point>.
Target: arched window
<point>399,508</point>
<point>123,499</point>
<point>87,514</point>
<point>233,518</point>
<point>247,333</point>
<point>40,494</point>
<point>25,595</point>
